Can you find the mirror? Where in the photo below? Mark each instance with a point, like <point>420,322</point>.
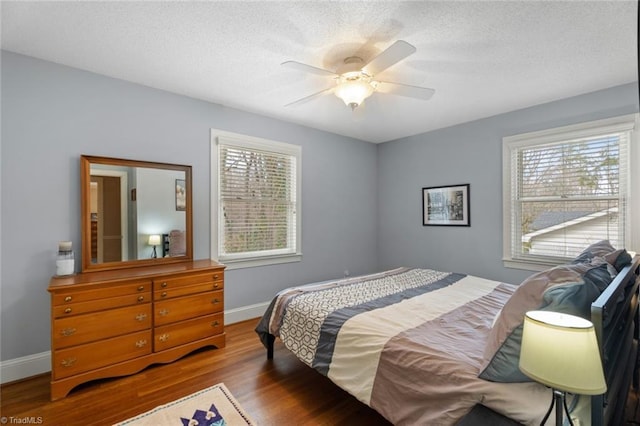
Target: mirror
<point>134,213</point>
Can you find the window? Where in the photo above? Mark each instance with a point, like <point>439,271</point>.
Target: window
<point>564,189</point>
<point>255,200</point>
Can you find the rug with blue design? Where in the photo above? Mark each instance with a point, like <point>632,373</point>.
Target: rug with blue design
<point>214,406</point>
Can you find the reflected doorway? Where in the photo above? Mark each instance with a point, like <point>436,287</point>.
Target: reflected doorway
<point>108,219</point>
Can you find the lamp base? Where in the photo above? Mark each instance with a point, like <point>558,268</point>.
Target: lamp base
<point>560,402</point>
<point>154,254</point>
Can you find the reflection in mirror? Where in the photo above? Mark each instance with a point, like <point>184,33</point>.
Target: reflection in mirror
<point>134,213</point>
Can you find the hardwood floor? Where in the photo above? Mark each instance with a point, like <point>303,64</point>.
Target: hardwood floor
<point>279,392</point>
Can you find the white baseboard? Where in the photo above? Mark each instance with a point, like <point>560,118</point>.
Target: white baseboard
<point>245,313</point>
<point>32,365</point>
<point>26,366</point>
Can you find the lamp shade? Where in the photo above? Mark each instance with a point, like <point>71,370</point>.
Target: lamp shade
<point>154,240</point>
<point>561,351</point>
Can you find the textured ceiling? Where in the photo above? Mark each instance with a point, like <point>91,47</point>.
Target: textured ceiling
<point>482,58</point>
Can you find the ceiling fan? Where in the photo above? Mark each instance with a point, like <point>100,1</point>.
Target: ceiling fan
<point>355,81</point>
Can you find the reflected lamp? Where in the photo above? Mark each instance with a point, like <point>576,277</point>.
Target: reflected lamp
<point>154,240</point>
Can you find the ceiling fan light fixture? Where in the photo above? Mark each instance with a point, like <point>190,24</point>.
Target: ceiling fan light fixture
<point>353,88</point>
<point>354,79</point>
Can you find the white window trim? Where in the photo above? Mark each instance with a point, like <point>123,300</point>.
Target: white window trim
<point>256,143</point>
<point>559,134</point>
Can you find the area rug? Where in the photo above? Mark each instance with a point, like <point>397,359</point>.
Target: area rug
<point>214,406</point>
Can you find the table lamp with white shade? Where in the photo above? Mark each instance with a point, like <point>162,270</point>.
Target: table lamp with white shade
<point>154,240</point>
<point>561,351</point>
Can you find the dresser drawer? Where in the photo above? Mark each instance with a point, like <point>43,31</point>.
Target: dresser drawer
<point>172,283</point>
<point>61,297</point>
<point>80,359</point>
<point>102,325</point>
<point>168,336</point>
<point>71,309</point>
<point>187,307</point>
<point>186,290</point>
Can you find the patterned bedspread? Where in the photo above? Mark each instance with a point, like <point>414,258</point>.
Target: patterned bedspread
<point>406,342</point>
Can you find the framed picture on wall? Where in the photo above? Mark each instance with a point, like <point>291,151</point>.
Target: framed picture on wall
<point>446,206</point>
<point>181,195</point>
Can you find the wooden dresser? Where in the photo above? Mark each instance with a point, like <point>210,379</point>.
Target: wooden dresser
<point>117,322</point>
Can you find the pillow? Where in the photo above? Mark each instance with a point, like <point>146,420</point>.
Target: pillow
<point>600,276</point>
<point>618,259</point>
<point>566,288</point>
<point>599,249</point>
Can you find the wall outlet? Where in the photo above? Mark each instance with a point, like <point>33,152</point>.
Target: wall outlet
<point>346,273</point>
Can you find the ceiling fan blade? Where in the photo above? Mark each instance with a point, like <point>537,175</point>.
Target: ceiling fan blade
<point>310,97</point>
<point>399,89</point>
<point>393,54</point>
<point>307,68</point>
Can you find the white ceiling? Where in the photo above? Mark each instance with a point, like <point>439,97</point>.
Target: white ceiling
<point>482,58</point>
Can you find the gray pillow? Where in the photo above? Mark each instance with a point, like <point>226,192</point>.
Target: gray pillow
<point>566,288</point>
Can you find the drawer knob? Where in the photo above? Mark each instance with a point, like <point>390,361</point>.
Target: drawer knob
<point>141,317</point>
<point>163,312</point>
<point>140,298</point>
<point>164,294</point>
<point>68,362</point>
<point>215,301</point>
<point>215,324</point>
<point>141,288</point>
<point>216,285</point>
<point>68,299</point>
<point>66,332</point>
<point>163,337</point>
<point>215,277</point>
<point>67,311</point>
<point>163,285</point>
<point>141,343</point>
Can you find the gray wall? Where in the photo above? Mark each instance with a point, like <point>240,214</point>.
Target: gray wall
<point>52,114</point>
<point>468,153</point>
<point>361,202</point>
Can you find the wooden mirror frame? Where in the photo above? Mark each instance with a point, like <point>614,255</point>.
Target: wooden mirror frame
<point>85,181</point>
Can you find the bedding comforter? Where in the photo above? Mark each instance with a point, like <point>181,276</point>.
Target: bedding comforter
<point>407,342</point>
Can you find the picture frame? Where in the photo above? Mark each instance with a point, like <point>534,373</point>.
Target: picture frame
<point>446,205</point>
<point>181,195</point>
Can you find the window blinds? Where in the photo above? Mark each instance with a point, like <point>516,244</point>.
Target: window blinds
<point>257,201</point>
<point>568,194</point>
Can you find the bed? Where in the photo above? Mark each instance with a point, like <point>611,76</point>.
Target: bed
<point>429,347</point>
